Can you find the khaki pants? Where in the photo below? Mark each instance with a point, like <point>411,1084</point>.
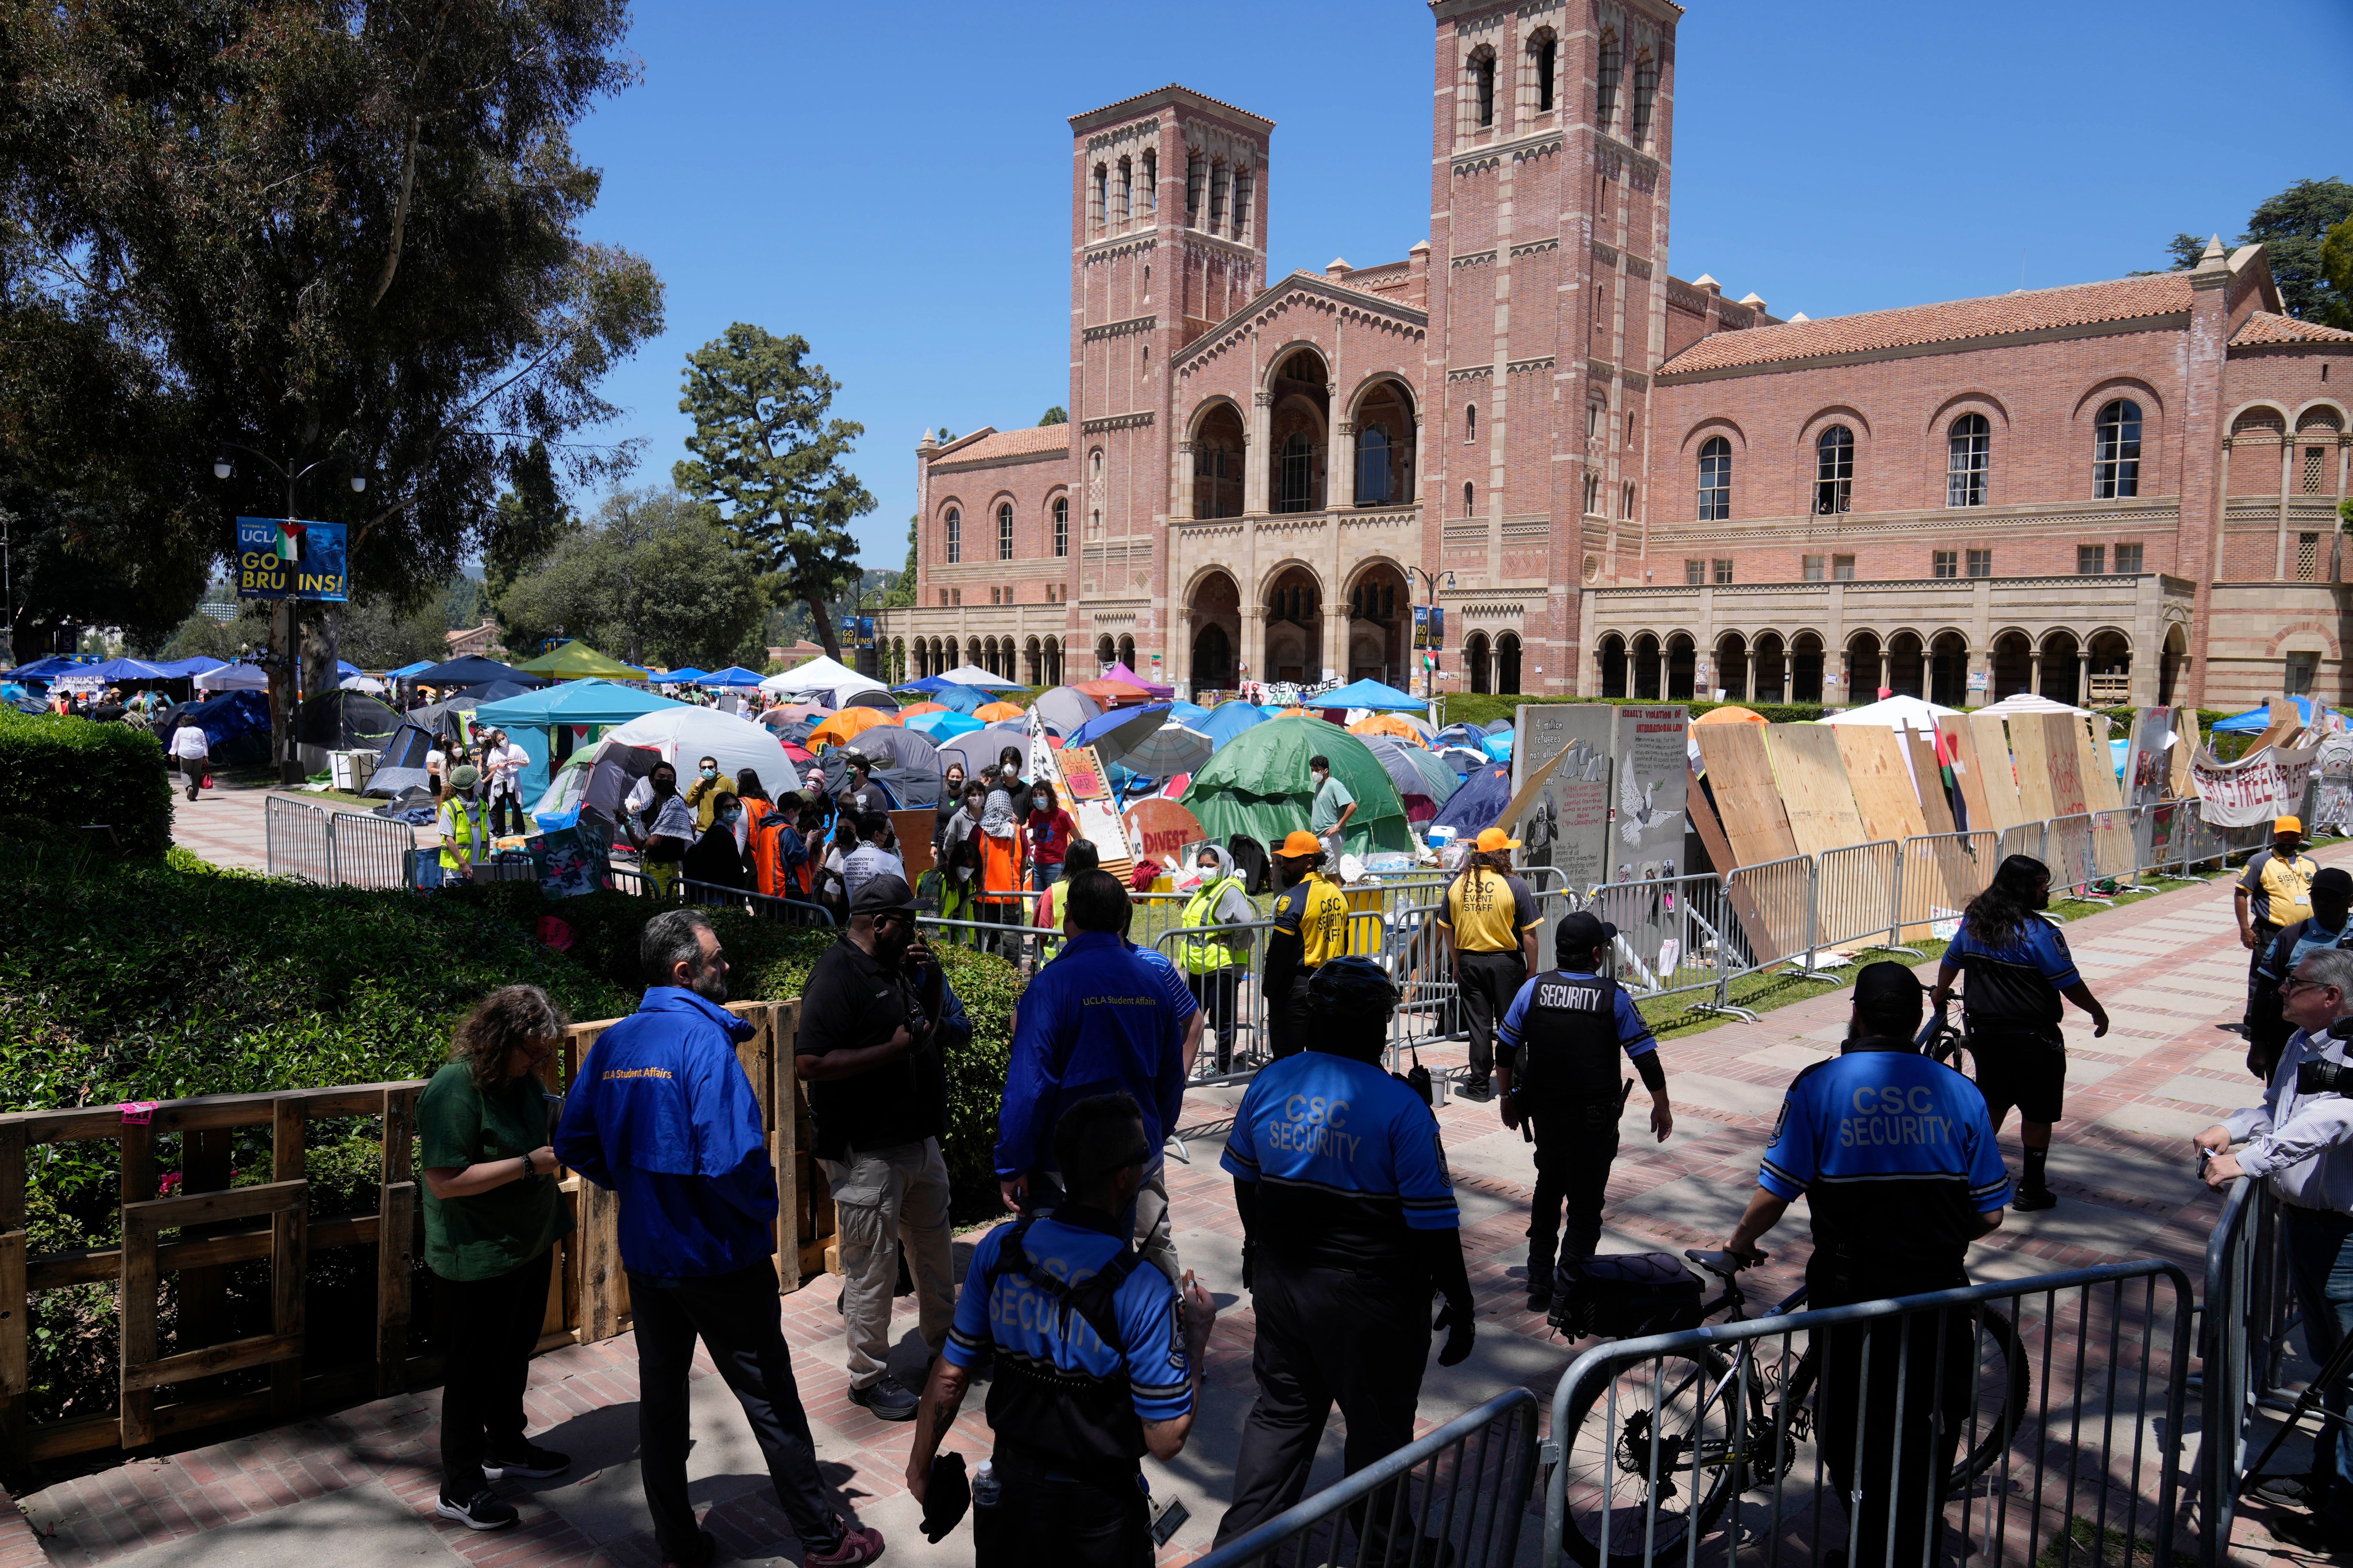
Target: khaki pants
<point>881,1198</point>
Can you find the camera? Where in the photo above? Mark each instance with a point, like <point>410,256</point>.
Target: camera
<point>2317,1075</point>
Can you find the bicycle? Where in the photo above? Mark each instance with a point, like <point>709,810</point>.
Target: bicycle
<point>1672,1419</point>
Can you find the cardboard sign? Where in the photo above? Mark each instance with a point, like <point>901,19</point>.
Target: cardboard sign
<point>1158,830</point>
<point>915,829</point>
<point>1082,774</point>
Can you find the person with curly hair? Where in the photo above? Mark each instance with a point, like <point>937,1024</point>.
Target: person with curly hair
<point>492,1214</point>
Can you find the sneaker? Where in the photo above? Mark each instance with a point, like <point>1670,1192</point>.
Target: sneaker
<point>706,1552</point>
<point>1539,1297</point>
<point>485,1512</point>
<point>530,1463</point>
<point>888,1399</point>
<point>857,1547</point>
<point>2311,1532</point>
<point>1474,1089</point>
<point>2034,1200</point>
<point>2290,1491</point>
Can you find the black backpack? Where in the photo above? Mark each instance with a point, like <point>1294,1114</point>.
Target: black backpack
<point>1624,1296</point>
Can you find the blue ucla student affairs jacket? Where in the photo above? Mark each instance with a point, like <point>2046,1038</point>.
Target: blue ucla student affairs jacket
<point>663,1115</point>
<point>1097,1020</point>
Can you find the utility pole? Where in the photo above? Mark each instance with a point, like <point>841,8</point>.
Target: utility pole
<point>1431,581</point>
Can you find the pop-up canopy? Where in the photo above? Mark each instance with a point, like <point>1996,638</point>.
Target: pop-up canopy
<point>575,660</point>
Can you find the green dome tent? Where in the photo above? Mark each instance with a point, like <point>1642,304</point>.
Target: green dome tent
<point>1258,786</point>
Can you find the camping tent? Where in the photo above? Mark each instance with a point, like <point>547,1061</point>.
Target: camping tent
<point>471,670</point>
<point>1479,804</point>
<point>236,723</point>
<point>679,734</point>
<point>1371,694</point>
<point>575,660</point>
<point>1258,786</point>
<point>1229,719</point>
<point>532,718</point>
<point>401,764</point>
<point>1423,783</point>
<point>340,721</point>
<point>234,678</point>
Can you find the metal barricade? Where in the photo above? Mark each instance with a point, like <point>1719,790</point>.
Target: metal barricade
<point>761,906</point>
<point>1422,965</point>
<point>1233,1032</point>
<point>2060,1396</point>
<point>371,852</point>
<point>1937,874</point>
<point>1855,897</point>
<point>2025,838</point>
<point>2242,1340</point>
<point>1454,1498</point>
<point>1671,938</point>
<point>302,841</point>
<point>2115,854</point>
<point>1772,909</point>
<point>2067,850</point>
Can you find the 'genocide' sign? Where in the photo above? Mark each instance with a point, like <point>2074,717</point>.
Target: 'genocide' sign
<point>278,559</point>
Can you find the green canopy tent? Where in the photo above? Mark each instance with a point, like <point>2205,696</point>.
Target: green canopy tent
<point>575,660</point>
<point>1258,786</point>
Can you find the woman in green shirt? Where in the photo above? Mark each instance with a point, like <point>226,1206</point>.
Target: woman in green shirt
<point>491,1217</point>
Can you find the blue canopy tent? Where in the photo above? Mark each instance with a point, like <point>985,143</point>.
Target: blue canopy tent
<point>733,675</point>
<point>1373,694</point>
<point>183,668</point>
<point>1478,805</point>
<point>534,720</point>
<point>48,669</point>
<point>405,670</point>
<point>115,670</point>
<point>2256,720</point>
<point>688,676</point>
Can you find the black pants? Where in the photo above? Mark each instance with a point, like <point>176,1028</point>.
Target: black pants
<point>1908,1457</point>
<point>740,1321</point>
<point>2264,933</point>
<point>1575,1146</point>
<point>1044,1516</point>
<point>487,1329</point>
<point>1286,1017</point>
<point>1488,981</point>
<point>1326,1336</point>
<point>507,813</point>
<point>1215,992</point>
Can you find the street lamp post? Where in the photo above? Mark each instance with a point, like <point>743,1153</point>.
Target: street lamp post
<point>1432,582</point>
<point>282,622</point>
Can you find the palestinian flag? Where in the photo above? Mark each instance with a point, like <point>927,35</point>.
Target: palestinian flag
<point>290,541</point>
<point>1945,752</point>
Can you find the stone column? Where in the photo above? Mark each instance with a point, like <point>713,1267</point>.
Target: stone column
<point>2034,668</point>
<point>1335,631</point>
<point>1256,446</point>
<point>1183,510</point>
<point>2083,674</point>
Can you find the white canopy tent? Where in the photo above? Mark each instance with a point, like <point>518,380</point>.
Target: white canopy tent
<point>2028,702</point>
<point>234,678</point>
<point>973,675</point>
<point>1895,713</point>
<point>820,674</point>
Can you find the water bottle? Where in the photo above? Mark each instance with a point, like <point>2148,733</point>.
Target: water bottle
<point>984,1488</point>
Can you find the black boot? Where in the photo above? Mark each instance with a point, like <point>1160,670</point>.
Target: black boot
<point>1540,1272</point>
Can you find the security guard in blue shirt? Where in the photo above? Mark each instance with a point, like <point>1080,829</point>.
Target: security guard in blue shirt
<point>1097,1360</point>
<point>1895,1158</point>
<point>1559,1073</point>
<point>1349,1226</point>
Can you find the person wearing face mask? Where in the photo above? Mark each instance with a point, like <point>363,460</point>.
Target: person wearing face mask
<point>465,836</point>
<point>1333,808</point>
<point>874,856</point>
<point>703,794</point>
<point>665,1118</point>
<point>503,763</point>
<point>1311,928</point>
<point>715,859</point>
<point>1214,965</point>
<point>877,1017</point>
<point>2330,924</point>
<point>665,829</point>
<point>951,802</point>
<point>2018,968</point>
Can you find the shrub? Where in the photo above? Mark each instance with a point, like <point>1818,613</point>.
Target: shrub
<point>78,771</point>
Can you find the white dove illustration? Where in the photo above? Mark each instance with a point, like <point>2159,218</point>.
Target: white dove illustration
<point>1635,813</point>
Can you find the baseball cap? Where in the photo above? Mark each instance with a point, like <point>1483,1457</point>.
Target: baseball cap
<point>1886,981</point>
<point>2287,825</point>
<point>1300,845</point>
<point>883,895</point>
<point>2333,879</point>
<point>1492,839</point>
<point>1581,932</point>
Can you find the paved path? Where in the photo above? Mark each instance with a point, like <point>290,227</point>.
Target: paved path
<point>358,1485</point>
<point>223,826</point>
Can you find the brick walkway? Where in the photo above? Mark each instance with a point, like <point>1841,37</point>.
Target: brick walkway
<point>361,1483</point>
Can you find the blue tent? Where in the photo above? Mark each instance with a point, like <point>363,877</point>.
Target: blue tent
<point>2256,720</point>
<point>1499,746</point>
<point>1229,719</point>
<point>181,669</point>
<point>733,675</point>
<point>405,670</point>
<point>956,698</point>
<point>686,677</point>
<point>531,720</point>
<point>123,670</point>
<point>236,726</point>
<point>1371,694</point>
<point>48,669</point>
<point>1479,803</point>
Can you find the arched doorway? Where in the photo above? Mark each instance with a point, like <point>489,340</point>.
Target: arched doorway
<point>1033,663</point>
<point>1053,654</point>
<point>1106,653</point>
<point>1731,667</point>
<point>2111,669</point>
<point>1645,654</point>
<point>1905,662</point>
<point>1295,627</point>
<point>1380,609</point>
<point>972,652</point>
<point>2012,667</point>
<point>1683,658</point>
<point>1772,664</point>
<point>1217,446</point>
<point>1864,668</point>
<point>1507,662</point>
<point>2170,662</point>
<point>1613,659</point>
<point>1128,651</point>
<point>1215,613</point>
<point>1949,669</point>
<point>1806,667</point>
<point>2058,668</point>
<point>1474,663</point>
<point>1299,434</point>
<point>1384,445</point>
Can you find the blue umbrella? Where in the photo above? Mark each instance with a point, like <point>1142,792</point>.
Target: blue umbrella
<point>1115,733</point>
<point>1376,695</point>
<point>941,726</point>
<point>1227,719</point>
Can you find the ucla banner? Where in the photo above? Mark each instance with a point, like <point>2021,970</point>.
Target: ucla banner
<point>280,558</point>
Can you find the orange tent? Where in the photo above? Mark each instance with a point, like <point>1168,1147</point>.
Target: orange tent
<point>997,713</point>
<point>907,713</point>
<point>1730,714</point>
<point>1107,691</point>
<point>1391,725</point>
<point>1294,713</point>
<point>847,726</point>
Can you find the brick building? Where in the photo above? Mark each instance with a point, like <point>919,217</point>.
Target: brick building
<point>1615,481</point>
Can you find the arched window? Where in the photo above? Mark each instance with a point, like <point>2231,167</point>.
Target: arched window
<point>1507,662</point>
<point>1968,450</point>
<point>1151,185</point>
<point>1371,466</point>
<point>1646,97</point>
<point>1544,56</point>
<point>1605,98</point>
<point>1469,498</point>
<point>1098,198</point>
<point>1005,531</point>
<point>1474,661</point>
<point>2116,451</point>
<point>1125,204</point>
<point>1294,474</point>
<point>1196,187</point>
<point>1062,526</point>
<point>1127,652</point>
<point>1220,183</point>
<point>1469,422</point>
<point>956,536</point>
<point>1243,180</point>
<point>1833,470</point>
<point>1715,479</point>
<point>1482,86</point>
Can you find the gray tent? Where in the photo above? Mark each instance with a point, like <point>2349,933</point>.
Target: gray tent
<point>401,764</point>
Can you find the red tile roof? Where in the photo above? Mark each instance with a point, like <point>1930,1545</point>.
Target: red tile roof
<point>1954,321</point>
<point>2266,327</point>
<point>1000,445</point>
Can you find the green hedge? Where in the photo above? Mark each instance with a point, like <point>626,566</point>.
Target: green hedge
<point>75,772</point>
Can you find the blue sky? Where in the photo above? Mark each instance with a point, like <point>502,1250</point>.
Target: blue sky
<point>892,182</point>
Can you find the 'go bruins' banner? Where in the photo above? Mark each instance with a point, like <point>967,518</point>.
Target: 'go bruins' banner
<point>279,558</point>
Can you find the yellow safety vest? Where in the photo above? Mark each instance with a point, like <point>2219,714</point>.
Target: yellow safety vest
<point>455,816</point>
<point>1204,955</point>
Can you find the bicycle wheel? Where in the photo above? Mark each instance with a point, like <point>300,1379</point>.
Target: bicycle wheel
<point>2002,1381</point>
<point>1672,1418</point>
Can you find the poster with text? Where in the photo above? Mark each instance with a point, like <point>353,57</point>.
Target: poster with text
<point>279,558</point>
<point>1648,773</point>
<point>1565,824</point>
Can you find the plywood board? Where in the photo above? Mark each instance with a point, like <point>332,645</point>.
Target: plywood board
<point>2177,783</point>
<point>1771,916</point>
<point>2097,766</point>
<point>1997,775</point>
<point>1747,798</point>
<point>1961,742</point>
<point>2062,747</point>
<point>1812,779</point>
<point>2031,762</point>
<point>1560,813</point>
<point>1884,796</point>
<point>1935,810</point>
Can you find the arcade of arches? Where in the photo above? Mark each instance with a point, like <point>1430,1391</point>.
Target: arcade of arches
<point>1379,447</point>
<point>2088,671</point>
<point>1033,661</point>
<point>1303,634</point>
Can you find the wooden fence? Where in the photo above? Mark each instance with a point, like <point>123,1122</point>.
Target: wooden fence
<point>206,1224</point>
